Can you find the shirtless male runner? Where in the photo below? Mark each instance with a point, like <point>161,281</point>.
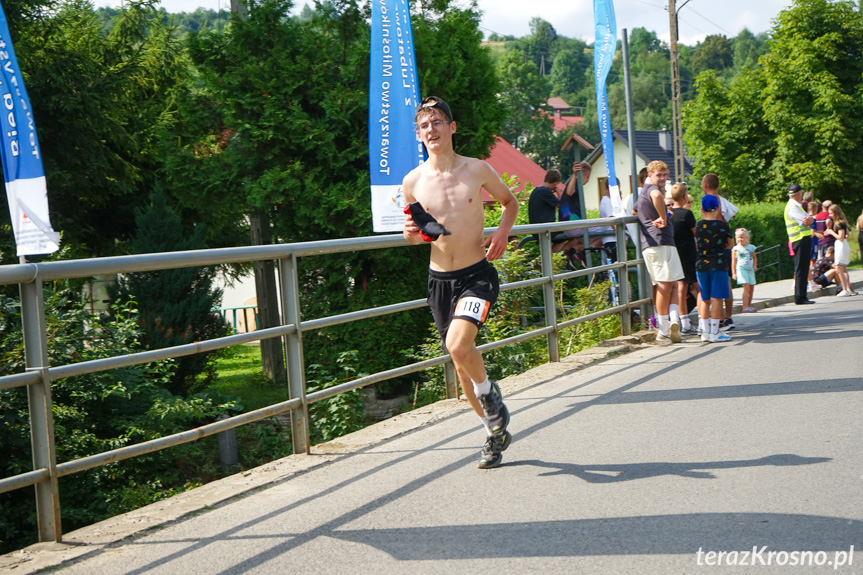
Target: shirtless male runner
<point>462,283</point>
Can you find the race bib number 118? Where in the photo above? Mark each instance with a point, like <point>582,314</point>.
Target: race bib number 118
<point>472,307</point>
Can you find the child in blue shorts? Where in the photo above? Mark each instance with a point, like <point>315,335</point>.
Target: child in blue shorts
<point>711,269</point>
<point>744,264</point>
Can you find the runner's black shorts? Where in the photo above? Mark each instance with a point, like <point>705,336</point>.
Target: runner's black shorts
<point>466,294</point>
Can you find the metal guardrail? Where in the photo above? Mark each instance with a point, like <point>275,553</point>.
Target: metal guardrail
<point>760,253</point>
<point>244,313</point>
<point>39,374</point>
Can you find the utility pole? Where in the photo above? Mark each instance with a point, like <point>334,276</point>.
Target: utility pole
<point>676,116</point>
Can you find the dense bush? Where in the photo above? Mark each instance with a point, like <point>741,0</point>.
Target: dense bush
<point>339,415</point>
<point>766,224</point>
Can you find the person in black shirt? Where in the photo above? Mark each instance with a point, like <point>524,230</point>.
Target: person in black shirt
<point>683,223</point>
<point>542,209</point>
<point>714,238</point>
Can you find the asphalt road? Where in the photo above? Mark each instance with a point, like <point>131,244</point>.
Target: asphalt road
<point>655,461</point>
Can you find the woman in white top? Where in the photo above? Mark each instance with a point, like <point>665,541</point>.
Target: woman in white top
<point>842,250</point>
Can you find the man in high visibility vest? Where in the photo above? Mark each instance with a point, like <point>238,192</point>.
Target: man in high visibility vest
<point>797,224</point>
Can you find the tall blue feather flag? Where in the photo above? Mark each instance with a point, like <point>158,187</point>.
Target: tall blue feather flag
<point>26,190</point>
<point>394,148</point>
<point>603,55</point>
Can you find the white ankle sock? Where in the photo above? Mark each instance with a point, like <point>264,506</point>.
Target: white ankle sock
<point>482,388</point>
<point>684,322</point>
<point>674,313</point>
<point>664,324</point>
<point>714,326</point>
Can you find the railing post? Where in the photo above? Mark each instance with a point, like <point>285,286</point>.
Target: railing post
<point>294,350</point>
<point>41,417</point>
<point>451,380</point>
<point>778,265</point>
<point>548,295</point>
<point>623,280</point>
<point>643,278</point>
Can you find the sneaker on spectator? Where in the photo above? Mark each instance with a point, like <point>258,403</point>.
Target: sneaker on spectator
<point>726,324</point>
<point>719,337</point>
<point>844,293</point>
<point>705,337</point>
<point>691,330</point>
<point>675,333</point>
<point>663,336</point>
<point>814,285</point>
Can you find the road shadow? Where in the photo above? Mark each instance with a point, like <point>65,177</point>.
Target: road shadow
<point>617,472</point>
<point>682,534</point>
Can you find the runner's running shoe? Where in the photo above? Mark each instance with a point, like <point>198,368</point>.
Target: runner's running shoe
<point>491,451</point>
<point>494,410</point>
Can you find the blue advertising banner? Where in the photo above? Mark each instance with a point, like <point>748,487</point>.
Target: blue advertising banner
<point>394,148</point>
<point>26,190</point>
<point>603,55</point>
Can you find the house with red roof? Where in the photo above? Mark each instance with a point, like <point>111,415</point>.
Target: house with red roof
<point>561,122</point>
<point>505,159</point>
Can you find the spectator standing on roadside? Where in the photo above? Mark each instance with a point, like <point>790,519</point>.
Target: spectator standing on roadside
<point>727,210</point>
<point>659,252</point>
<point>744,263</point>
<point>813,209</point>
<point>714,242</point>
<point>683,223</point>
<point>569,201</point>
<point>842,249</point>
<point>797,224</point>
<point>607,233</point>
<point>822,223</point>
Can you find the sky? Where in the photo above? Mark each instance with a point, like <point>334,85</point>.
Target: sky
<point>696,18</point>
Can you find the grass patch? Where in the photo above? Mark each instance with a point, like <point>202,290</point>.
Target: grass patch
<point>239,374</point>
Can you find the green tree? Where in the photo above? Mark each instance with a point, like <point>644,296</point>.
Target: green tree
<point>540,44</point>
<point>277,126</point>
<point>712,54</point>
<point>98,100</point>
<point>452,63</point>
<point>175,307</point>
<point>725,132</point>
<point>524,93</point>
<point>748,48</point>
<point>643,41</point>
<point>796,118</point>
<point>812,97</point>
<point>569,70</point>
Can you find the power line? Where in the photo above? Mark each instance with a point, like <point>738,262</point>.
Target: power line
<point>649,4</point>
<point>709,21</point>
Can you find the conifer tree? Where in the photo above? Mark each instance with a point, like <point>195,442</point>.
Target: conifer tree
<point>175,306</point>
